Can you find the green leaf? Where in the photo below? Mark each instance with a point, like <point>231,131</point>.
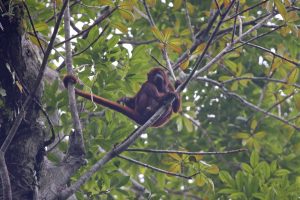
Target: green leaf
<point>113,41</point>
<point>237,195</point>
<point>184,65</point>
<point>41,26</point>
<point>293,76</point>
<point>265,169</point>
<point>188,124</point>
<point>281,8</point>
<point>227,191</point>
<point>253,124</point>
<point>234,86</point>
<point>158,35</point>
<point>126,14</point>
<point>282,172</point>
<point>239,179</point>
<point>177,4</point>
<point>123,181</point>
<point>259,135</point>
<point>247,168</point>
<point>254,159</point>
<point>261,196</point>
<point>213,169</point>
<point>120,26</point>
<point>231,65</point>
<point>167,34</point>
<point>175,156</point>
<point>151,3</point>
<point>241,135</point>
<point>200,180</point>
<point>106,2</point>
<point>226,178</point>
<point>175,168</point>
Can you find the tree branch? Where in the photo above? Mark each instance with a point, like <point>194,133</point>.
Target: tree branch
<point>164,50</point>
<point>5,181</point>
<point>153,168</point>
<point>85,31</point>
<point>188,20</point>
<point>79,144</point>
<point>186,152</point>
<point>200,58</point>
<point>246,103</point>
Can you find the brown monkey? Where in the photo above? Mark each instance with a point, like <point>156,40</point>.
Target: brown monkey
<point>144,104</point>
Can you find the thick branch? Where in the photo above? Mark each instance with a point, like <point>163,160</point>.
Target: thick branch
<point>79,145</point>
<point>5,181</point>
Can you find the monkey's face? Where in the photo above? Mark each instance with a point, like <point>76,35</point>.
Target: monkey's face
<point>158,77</point>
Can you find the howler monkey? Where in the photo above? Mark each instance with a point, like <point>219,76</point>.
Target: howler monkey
<point>145,103</point>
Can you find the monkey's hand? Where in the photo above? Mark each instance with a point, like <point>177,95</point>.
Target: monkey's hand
<point>127,101</point>
<point>123,100</point>
<point>170,95</point>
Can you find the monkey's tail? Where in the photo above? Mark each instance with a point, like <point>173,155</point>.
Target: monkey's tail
<point>125,110</point>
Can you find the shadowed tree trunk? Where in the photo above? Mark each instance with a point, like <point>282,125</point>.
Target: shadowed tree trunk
<point>19,65</point>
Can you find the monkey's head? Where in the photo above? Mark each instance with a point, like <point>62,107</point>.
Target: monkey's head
<point>158,77</point>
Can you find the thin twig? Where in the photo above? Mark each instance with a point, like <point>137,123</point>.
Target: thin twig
<point>74,27</point>
<point>188,20</point>
<point>61,66</point>
<point>164,50</point>
<point>260,78</point>
<point>186,152</point>
<point>58,142</point>
<point>228,48</point>
<point>246,103</point>
<point>153,168</point>
<point>200,58</point>
<point>273,53</point>
<point>55,15</point>
<point>274,105</point>
<point>200,37</point>
<point>96,22</point>
<point>32,25</point>
<point>234,23</point>
<point>137,42</point>
<point>157,61</point>
<point>218,7</point>
<point>150,19</point>
<point>247,9</point>
<point>257,37</point>
<point>136,185</point>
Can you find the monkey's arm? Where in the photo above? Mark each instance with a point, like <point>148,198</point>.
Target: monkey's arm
<point>151,91</point>
<point>176,105</point>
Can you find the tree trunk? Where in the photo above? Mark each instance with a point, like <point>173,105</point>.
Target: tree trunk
<point>19,65</point>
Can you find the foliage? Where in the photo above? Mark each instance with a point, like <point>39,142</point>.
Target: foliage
<point>117,63</point>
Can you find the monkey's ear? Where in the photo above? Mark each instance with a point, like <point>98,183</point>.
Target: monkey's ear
<point>69,79</point>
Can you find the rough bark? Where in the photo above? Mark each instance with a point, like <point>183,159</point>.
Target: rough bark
<point>19,65</point>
